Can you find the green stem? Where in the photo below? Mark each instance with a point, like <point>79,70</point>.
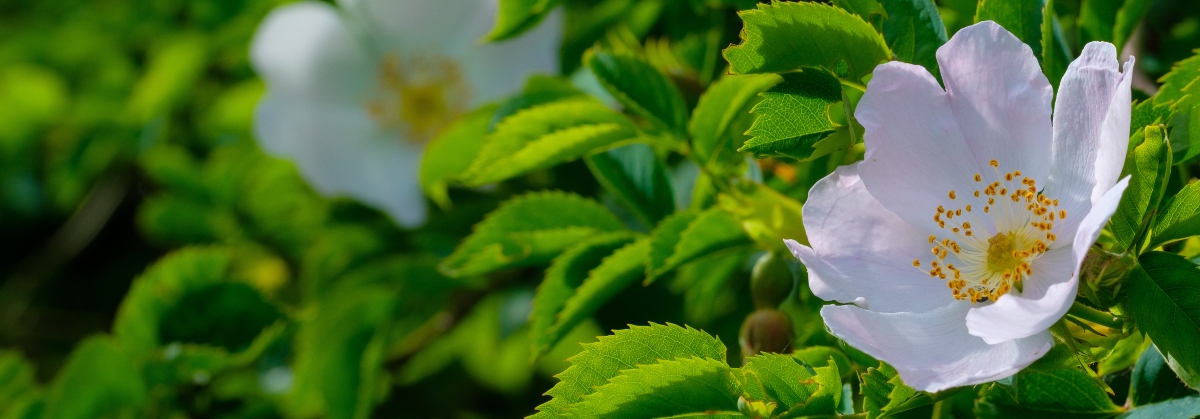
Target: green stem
<point>941,409</point>
<point>1084,312</point>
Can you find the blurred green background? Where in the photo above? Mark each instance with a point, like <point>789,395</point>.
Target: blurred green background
<point>125,135</point>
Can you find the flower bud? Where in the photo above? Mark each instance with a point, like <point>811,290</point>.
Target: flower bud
<point>766,330</point>
<point>1101,275</point>
<point>771,281</point>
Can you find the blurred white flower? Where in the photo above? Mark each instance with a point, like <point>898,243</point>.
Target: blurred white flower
<point>956,242</point>
<point>355,92</point>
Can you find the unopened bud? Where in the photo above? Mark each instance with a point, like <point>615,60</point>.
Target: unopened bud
<point>771,281</point>
<point>766,330</point>
<point>1101,275</point>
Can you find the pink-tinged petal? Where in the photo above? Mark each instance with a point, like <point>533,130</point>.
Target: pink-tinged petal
<point>421,26</point>
<point>916,153</point>
<point>1050,289</point>
<point>1091,132</point>
<point>932,350</point>
<point>341,151</point>
<point>1000,98</point>
<point>306,50</point>
<point>863,253</point>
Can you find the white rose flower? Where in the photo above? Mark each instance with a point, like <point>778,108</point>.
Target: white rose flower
<point>957,241</point>
<point>354,93</point>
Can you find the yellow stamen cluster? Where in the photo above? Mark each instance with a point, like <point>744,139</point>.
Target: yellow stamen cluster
<point>993,249</point>
<point>419,95</point>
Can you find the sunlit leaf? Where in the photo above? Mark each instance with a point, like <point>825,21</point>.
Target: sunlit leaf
<point>640,87</point>
<point>1164,300</point>
<point>667,389</point>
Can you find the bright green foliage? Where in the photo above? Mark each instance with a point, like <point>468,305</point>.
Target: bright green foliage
<point>544,136</point>
<point>1021,17</point>
<point>1174,82</point>
<point>767,216</point>
<point>709,286</point>
<point>1128,18</point>
<point>622,350</point>
<point>563,277</point>
<point>451,153</point>
<point>641,88</point>
<point>528,230</point>
<point>514,17</point>
<point>793,117</point>
<point>1187,407</point>
<point>1055,393</point>
<point>637,179</point>
<point>172,73</point>
<point>617,271</point>
<point>781,37</point>
<point>708,232</point>
<point>725,100</point>
<point>1148,112</point>
<point>340,352</point>
<point>869,10</point>
<point>188,297</point>
<point>1149,164</point>
<point>18,390</point>
<point>797,389</point>
<point>100,378</point>
<point>1056,55</point>
<point>885,394</point>
<point>667,389</point>
<point>1180,217</point>
<point>914,31</point>
<point>1164,299</point>
<point>1153,381</point>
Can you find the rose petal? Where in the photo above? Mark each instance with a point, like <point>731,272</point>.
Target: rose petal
<point>1000,98</point>
<point>932,350</point>
<point>1050,289</point>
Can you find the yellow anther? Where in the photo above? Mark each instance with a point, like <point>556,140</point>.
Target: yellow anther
<point>1008,177</point>
<point>968,207</point>
<point>994,163</point>
<point>1061,213</point>
<point>978,178</point>
<point>976,194</point>
<point>917,263</point>
<point>932,238</point>
<point>951,194</point>
<point>985,209</point>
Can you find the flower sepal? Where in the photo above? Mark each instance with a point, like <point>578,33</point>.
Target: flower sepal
<point>1102,276</point>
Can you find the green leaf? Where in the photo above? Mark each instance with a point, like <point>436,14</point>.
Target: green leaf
<point>625,349</point>
<point>1149,164</point>
<point>1164,300</point>
<point>99,379</point>
<point>451,152</point>
<point>640,87</point>
<point>538,90</point>
<point>869,10</point>
<point>18,389</point>
<point>527,230</point>
<point>546,135</point>
<point>1175,82</point>
<point>1180,217</point>
<point>1056,55</point>
<point>884,393</point>
<point>718,108</point>
<point>637,179</point>
<point>767,216</point>
<point>710,286</point>
<point>563,277</point>
<point>1128,18</point>
<point>1096,20</point>
<point>782,37</point>
<point>1149,112</point>
<point>1153,381</point>
<point>1124,355</point>
<point>704,234</point>
<point>617,271</point>
<point>339,353</point>
<point>914,31</point>
<point>1052,393</point>
<point>797,389</point>
<point>188,296</point>
<point>667,389</point>
<point>514,17</point>
<point>1021,17</point>
<point>793,116</point>
<point>1187,407</point>
<point>171,72</point>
